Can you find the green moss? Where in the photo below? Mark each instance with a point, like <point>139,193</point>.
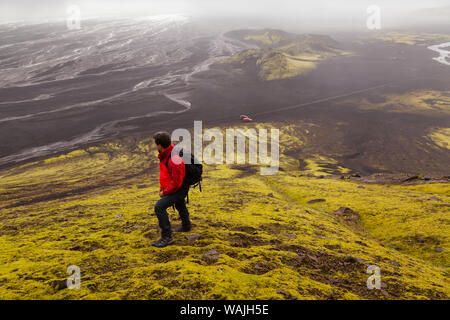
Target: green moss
<point>93,208</point>
<point>422,39</point>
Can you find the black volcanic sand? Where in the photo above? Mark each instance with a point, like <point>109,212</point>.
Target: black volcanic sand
<point>372,140</point>
<point>114,101</point>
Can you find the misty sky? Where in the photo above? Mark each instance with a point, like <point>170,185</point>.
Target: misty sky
<point>316,10</point>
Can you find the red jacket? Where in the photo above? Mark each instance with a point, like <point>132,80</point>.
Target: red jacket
<point>171,179</point>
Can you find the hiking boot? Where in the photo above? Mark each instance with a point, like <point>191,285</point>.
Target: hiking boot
<point>182,229</point>
<point>163,242</point>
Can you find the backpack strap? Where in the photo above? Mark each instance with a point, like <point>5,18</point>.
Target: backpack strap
<point>167,161</point>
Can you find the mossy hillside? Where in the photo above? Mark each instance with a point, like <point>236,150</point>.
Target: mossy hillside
<point>404,218</point>
<point>282,55</point>
<point>408,38</point>
<point>277,65</point>
<point>89,168</point>
<point>268,37</point>
<point>422,102</point>
<point>271,243</point>
<point>441,137</point>
<point>272,65</point>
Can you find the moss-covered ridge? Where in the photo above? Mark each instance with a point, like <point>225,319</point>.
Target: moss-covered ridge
<point>410,38</point>
<point>93,208</point>
<point>282,55</point>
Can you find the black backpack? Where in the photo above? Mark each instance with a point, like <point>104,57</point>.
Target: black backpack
<point>194,170</point>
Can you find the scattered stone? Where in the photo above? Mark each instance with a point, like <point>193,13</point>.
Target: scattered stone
<point>193,236</point>
<point>348,215</point>
<point>129,230</point>
<point>148,235</point>
<point>10,227</point>
<point>259,268</point>
<point>75,247</point>
<point>361,187</point>
<point>316,200</point>
<point>356,175</point>
<point>256,214</point>
<point>337,176</point>
<point>148,229</point>
<point>344,211</point>
<point>350,259</point>
<point>210,257</point>
<point>270,195</point>
<point>94,247</point>
<point>332,246</point>
<point>435,199</point>
<point>276,210</point>
<point>313,258</point>
<point>395,263</point>
<point>58,284</point>
<point>395,178</point>
<point>119,216</point>
<point>384,292</point>
<point>437,249</point>
<point>383,285</point>
<point>290,235</point>
<point>361,243</point>
<point>411,178</point>
<point>286,294</point>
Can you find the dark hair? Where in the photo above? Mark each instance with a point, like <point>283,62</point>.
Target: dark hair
<point>163,139</point>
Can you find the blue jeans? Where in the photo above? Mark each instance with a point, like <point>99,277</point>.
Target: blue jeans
<point>177,199</point>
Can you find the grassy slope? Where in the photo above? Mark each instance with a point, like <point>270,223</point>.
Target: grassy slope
<point>93,209</point>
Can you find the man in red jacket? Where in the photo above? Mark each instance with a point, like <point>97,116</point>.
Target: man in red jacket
<point>172,189</point>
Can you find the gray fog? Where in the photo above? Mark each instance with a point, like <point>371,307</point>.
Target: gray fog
<point>318,14</point>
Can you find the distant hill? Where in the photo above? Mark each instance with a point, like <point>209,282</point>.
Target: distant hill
<point>282,55</point>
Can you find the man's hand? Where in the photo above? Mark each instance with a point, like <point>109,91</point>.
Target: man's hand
<point>161,193</point>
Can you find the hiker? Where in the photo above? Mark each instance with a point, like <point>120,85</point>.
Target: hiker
<point>173,189</point>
